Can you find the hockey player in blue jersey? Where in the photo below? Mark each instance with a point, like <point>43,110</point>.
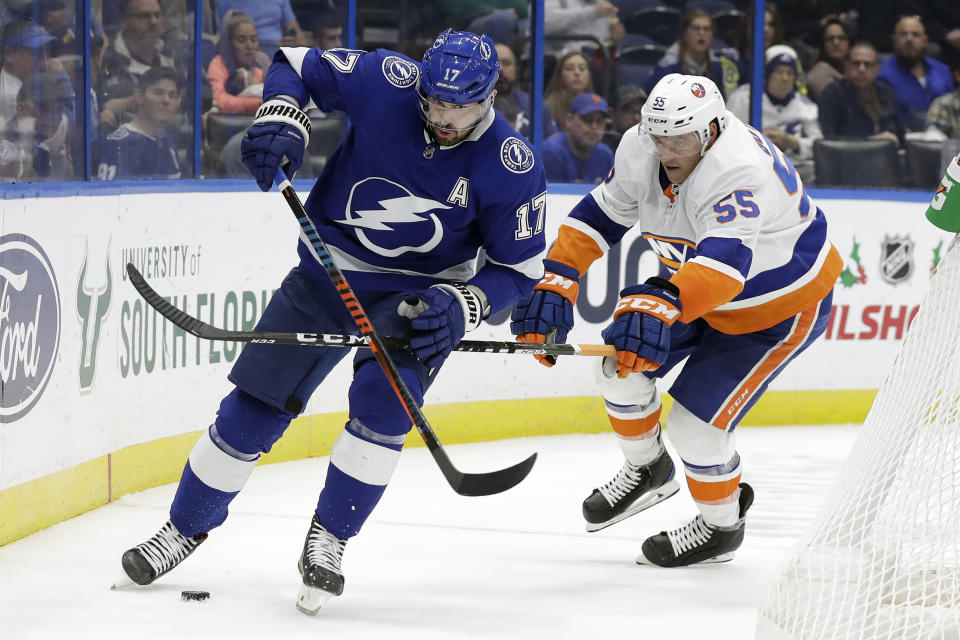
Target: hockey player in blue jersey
<point>432,205</point>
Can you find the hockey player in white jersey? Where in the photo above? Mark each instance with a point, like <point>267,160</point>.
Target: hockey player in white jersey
<point>745,285</point>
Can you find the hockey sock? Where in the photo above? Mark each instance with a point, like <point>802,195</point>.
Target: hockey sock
<point>716,490</point>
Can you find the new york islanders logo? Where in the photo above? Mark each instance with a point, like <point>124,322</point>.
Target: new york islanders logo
<point>697,90</point>
<point>516,156</point>
<point>399,72</point>
<point>390,221</point>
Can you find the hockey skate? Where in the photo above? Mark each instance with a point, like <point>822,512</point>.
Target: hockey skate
<point>632,490</point>
<point>697,542</point>
<point>320,567</point>
<point>157,556</point>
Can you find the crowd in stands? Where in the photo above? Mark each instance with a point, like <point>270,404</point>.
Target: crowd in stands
<point>834,73</point>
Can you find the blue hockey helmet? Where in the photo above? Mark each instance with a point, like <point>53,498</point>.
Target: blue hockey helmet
<point>460,68</point>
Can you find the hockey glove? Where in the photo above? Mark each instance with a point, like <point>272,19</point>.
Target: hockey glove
<point>640,330</point>
<point>547,315</point>
<point>278,136</point>
<point>440,316</point>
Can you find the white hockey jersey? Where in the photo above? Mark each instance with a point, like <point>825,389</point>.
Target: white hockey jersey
<point>741,239</point>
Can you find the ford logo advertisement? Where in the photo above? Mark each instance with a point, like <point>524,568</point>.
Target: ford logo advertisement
<point>29,324</point>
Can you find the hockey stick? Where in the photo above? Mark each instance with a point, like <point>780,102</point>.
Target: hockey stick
<point>201,329</point>
<point>466,484</point>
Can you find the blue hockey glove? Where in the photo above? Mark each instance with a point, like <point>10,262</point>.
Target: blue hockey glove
<point>640,330</point>
<point>547,315</point>
<point>278,136</point>
<point>440,316</point>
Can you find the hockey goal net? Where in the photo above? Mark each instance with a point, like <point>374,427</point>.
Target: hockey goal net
<point>882,558</point>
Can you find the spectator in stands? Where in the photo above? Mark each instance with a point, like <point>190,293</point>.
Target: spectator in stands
<point>944,113</point>
<point>52,16</point>
<point>236,73</point>
<point>916,78</point>
<point>508,25</point>
<point>464,12</point>
<point>515,104</point>
<point>236,80</point>
<point>33,143</point>
<point>327,28</point>
<point>571,77</point>
<point>858,106</point>
<point>571,18</point>
<point>691,54</point>
<point>24,48</point>
<point>790,119</point>
<point>142,148</point>
<point>834,48</point>
<point>774,33</point>
<point>624,113</point>
<point>275,20</point>
<point>135,49</point>
<point>577,155</point>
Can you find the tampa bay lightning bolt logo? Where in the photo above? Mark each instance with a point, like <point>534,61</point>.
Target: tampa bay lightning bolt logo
<point>697,90</point>
<point>484,50</point>
<point>399,72</point>
<point>516,156</point>
<point>391,221</point>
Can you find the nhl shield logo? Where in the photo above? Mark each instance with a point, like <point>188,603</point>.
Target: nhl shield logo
<point>896,259</point>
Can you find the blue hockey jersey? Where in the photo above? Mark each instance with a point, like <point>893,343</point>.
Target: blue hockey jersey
<point>397,211</point>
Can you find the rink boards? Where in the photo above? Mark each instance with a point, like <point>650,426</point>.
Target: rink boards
<point>101,397</point>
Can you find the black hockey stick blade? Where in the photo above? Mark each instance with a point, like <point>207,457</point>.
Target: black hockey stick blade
<point>486,484</point>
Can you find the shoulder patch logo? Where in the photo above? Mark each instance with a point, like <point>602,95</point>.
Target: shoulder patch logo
<point>516,155</point>
<point>399,72</point>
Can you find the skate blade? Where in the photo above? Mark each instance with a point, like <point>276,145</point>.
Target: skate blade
<point>723,557</point>
<point>311,599</point>
<point>653,498</point>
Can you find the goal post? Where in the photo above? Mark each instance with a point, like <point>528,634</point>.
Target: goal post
<point>882,558</point>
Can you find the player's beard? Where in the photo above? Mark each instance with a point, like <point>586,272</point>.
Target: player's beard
<point>448,142</point>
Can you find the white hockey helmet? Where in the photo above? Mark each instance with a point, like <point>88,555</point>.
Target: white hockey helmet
<point>681,104</point>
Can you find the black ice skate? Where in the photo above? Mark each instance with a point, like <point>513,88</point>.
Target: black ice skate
<point>320,567</point>
<point>157,556</point>
<point>632,490</point>
<point>697,542</point>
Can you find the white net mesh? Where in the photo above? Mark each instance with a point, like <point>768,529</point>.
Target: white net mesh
<point>882,559</point>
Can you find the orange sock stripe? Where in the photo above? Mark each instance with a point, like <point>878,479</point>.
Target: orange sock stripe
<point>636,428</point>
<point>713,492</point>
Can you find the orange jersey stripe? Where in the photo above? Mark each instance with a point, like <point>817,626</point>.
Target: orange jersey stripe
<point>740,398</point>
<point>703,289</point>
<point>764,316</point>
<point>713,492</point>
<point>575,248</point>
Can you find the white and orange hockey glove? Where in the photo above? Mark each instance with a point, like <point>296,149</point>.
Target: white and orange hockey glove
<point>549,309</point>
<point>640,330</point>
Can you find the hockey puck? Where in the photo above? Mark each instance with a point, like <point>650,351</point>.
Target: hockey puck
<point>194,596</point>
